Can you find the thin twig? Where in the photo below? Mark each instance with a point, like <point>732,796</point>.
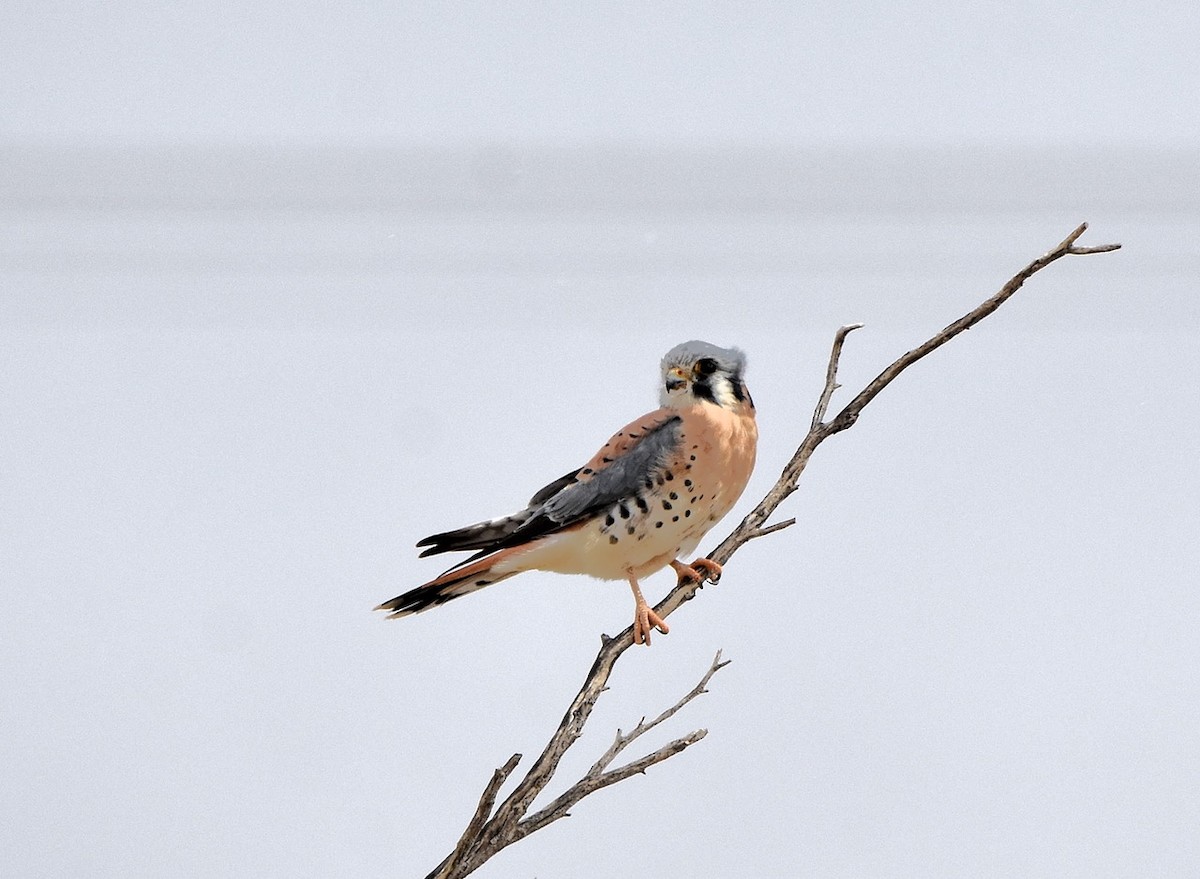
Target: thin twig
<point>850,413</point>
<point>482,811</point>
<point>623,739</point>
<point>509,823</point>
<point>592,783</point>
<point>771,529</point>
<point>831,385</point>
<point>597,777</point>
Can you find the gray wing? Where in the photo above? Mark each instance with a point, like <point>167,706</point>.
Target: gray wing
<point>573,497</point>
<point>631,472</point>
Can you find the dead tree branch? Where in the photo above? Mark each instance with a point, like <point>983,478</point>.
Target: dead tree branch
<point>488,832</point>
<point>483,838</point>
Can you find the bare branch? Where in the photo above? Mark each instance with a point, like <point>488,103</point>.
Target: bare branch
<point>849,415</point>
<point>596,777</point>
<point>592,783</point>
<point>831,385</point>
<point>482,811</point>
<point>622,740</point>
<point>486,836</point>
<point>771,529</point>
<point>751,526</point>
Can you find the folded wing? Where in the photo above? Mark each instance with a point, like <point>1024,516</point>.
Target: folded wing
<point>626,465</point>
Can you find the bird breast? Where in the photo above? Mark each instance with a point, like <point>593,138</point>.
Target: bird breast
<point>690,492</point>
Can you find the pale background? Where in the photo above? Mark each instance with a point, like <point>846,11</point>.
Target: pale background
<point>285,288</point>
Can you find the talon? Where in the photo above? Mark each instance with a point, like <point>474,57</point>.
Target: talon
<point>645,620</point>
<point>685,573</point>
<point>698,571</point>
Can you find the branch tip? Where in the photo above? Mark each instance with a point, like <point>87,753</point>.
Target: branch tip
<point>771,529</point>
<point>1098,248</point>
<point>1068,245</point>
<point>1072,238</point>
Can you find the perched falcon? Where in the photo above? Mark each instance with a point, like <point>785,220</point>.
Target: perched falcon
<point>643,501</point>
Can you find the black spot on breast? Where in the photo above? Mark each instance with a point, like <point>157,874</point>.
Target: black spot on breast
<point>587,471</point>
<point>666,505</point>
<point>623,510</point>
<point>608,520</point>
<point>692,458</point>
<point>658,524</point>
<point>631,529</point>
<point>687,483</point>
<point>606,460</point>
<point>669,476</point>
<point>674,496</point>
<point>641,504</point>
<point>674,518</point>
<point>687,513</point>
<point>612,538</point>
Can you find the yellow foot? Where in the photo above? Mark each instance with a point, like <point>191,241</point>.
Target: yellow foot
<point>697,572</point>
<point>645,620</point>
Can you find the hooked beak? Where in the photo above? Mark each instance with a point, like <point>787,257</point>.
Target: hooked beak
<point>676,378</point>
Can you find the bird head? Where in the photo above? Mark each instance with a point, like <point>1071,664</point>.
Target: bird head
<point>699,372</point>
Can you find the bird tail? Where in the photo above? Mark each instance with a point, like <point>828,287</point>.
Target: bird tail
<point>456,582</point>
<point>486,536</point>
<point>480,536</point>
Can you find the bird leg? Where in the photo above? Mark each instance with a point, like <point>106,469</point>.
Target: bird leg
<point>645,619</point>
<point>697,572</point>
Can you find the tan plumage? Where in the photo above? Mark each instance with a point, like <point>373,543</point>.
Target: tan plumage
<point>645,499</point>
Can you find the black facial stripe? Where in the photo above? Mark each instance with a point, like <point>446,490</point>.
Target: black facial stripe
<point>738,393</point>
<point>703,391</point>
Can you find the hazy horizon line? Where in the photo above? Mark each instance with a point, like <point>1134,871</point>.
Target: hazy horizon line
<point>597,177</point>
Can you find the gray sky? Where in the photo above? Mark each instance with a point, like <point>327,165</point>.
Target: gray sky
<point>674,73</point>
<point>227,413</point>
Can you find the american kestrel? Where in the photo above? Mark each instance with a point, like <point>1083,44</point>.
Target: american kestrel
<point>643,501</point>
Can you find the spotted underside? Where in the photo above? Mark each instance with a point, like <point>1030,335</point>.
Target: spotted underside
<point>662,512</point>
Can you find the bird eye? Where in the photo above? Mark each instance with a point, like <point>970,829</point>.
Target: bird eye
<point>706,366</point>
